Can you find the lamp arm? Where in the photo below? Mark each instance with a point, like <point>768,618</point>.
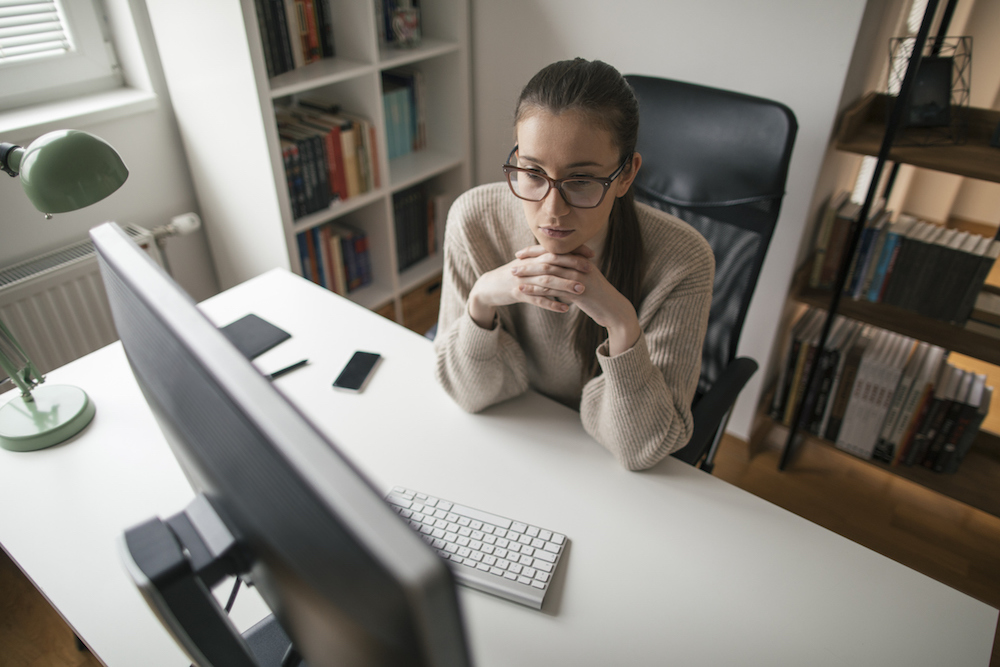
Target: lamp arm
<point>26,376</point>
<point>10,158</point>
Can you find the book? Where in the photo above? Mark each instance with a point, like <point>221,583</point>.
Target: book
<point>911,408</point>
<point>845,387</point>
<point>886,374</point>
<point>968,436</point>
<point>818,396</point>
<point>956,268</point>
<point>293,177</point>
<point>935,447</point>
<point>964,415</point>
<point>324,22</point>
<point>826,223</point>
<point>789,355</point>
<point>862,392</point>
<point>930,285</point>
<point>278,36</point>
<point>411,222</point>
<point>887,256</point>
<point>330,125</point>
<point>909,243</point>
<point>987,308</point>
<point>338,282</point>
<point>927,430</point>
<point>806,350</point>
<point>985,264</point>
<point>872,231</point>
<point>918,275</point>
<point>883,450</point>
<point>851,332</point>
<point>294,30</point>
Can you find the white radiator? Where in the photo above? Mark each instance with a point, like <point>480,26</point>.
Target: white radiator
<point>55,304</point>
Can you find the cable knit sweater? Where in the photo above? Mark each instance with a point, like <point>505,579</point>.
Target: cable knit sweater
<point>639,405</point>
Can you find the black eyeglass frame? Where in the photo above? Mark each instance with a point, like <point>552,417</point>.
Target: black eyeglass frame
<point>556,183</point>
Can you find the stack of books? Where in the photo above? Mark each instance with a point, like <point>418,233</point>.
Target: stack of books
<point>908,263</point>
<point>328,154</point>
<point>336,257</point>
<point>294,33</point>
<point>417,216</point>
<point>405,118</point>
<point>881,395</point>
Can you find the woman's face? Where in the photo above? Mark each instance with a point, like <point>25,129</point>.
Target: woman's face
<point>563,145</point>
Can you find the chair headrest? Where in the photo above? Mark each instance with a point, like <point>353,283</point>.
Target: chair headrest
<point>711,147</point>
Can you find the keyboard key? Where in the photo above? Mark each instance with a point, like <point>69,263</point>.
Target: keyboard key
<point>445,505</point>
<point>485,517</point>
<point>537,543</point>
<point>558,539</point>
<point>545,535</point>
<point>537,584</point>
<point>532,531</point>
<point>517,527</point>
<point>399,500</point>
<point>546,556</point>
<point>510,575</point>
<point>554,548</point>
<point>542,565</point>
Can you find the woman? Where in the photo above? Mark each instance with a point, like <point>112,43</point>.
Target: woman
<point>555,280</point>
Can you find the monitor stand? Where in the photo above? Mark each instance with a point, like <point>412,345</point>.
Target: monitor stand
<point>176,563</point>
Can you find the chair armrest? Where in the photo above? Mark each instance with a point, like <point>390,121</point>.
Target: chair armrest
<point>709,411</point>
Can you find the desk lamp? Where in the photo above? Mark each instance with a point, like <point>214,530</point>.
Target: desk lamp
<point>60,171</point>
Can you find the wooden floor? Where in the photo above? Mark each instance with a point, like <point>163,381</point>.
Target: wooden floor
<point>944,539</point>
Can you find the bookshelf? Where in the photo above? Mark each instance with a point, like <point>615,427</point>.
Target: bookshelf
<point>225,105</point>
<point>863,130</point>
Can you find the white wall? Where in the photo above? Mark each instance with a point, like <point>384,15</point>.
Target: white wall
<point>159,184</point>
<point>794,51</point>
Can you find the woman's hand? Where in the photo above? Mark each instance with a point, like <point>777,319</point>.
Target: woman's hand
<point>552,281</point>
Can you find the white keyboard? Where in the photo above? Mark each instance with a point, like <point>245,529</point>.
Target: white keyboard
<point>490,553</point>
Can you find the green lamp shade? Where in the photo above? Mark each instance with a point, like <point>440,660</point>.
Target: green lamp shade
<point>68,169</point>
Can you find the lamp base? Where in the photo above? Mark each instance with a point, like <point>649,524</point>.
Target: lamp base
<point>57,413</point>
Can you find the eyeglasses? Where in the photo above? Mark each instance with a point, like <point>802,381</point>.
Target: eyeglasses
<point>577,191</point>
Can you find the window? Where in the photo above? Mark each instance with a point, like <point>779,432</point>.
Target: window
<point>53,49</point>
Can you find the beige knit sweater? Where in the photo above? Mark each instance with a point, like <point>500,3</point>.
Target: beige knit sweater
<point>639,406</point>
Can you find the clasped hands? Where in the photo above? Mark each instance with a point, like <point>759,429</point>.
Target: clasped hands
<point>554,282</point>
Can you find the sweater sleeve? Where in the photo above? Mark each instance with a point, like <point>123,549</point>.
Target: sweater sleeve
<point>639,406</point>
<point>477,367</point>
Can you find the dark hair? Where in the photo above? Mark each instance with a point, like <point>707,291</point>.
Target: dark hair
<point>600,91</point>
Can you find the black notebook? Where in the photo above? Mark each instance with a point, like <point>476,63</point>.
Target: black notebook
<point>253,335</point>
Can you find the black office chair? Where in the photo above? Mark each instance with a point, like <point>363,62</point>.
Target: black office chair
<point>718,160</point>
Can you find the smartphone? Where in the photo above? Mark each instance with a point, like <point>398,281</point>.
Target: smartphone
<point>357,371</point>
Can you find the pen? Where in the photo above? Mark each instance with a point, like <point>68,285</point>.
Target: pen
<point>287,369</point>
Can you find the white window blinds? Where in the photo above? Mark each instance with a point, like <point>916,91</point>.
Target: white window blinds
<point>52,50</point>
<point>32,29</point>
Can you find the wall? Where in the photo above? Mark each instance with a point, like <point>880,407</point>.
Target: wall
<point>159,184</point>
<point>937,196</point>
<point>795,52</point>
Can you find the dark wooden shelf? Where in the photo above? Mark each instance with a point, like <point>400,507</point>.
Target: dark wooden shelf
<point>949,336</point>
<point>974,484</point>
<point>863,126</point>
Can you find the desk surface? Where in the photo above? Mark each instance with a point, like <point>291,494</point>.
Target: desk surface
<point>713,575</point>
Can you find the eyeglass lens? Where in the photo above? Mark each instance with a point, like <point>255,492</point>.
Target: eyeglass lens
<point>534,187</point>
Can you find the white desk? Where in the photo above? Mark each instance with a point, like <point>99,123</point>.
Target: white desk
<point>716,576</point>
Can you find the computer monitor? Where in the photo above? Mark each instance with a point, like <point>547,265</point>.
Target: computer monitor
<point>346,578</point>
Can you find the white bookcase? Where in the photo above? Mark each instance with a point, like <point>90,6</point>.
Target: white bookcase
<point>213,60</point>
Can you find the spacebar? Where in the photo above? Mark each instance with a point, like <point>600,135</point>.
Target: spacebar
<point>478,515</point>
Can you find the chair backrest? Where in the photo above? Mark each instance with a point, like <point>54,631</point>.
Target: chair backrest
<point>718,160</point>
